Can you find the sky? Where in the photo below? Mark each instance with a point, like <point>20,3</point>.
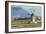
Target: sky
<point>21,11</point>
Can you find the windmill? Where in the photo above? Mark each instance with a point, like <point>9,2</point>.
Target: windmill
<point>33,16</point>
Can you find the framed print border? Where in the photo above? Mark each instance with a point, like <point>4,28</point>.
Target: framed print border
<point>7,16</point>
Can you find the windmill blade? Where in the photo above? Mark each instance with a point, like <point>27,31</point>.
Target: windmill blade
<point>33,11</point>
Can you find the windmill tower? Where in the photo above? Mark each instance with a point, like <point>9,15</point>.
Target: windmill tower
<point>33,16</point>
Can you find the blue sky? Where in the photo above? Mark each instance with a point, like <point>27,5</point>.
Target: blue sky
<point>23,10</point>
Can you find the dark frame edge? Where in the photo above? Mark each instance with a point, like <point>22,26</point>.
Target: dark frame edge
<point>44,16</point>
<point>26,2</point>
<point>6,17</point>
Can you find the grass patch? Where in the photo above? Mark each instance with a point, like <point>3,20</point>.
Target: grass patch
<point>25,24</point>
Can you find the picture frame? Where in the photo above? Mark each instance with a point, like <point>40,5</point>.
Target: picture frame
<point>12,18</point>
